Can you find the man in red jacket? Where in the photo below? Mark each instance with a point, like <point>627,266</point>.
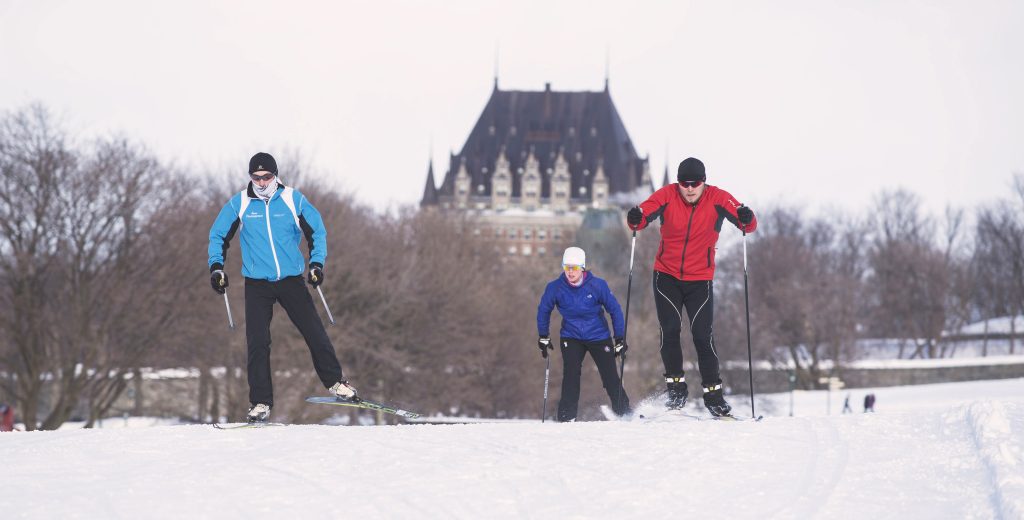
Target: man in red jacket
<point>692,213</point>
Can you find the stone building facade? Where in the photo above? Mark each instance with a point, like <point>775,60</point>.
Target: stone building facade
<point>534,163</point>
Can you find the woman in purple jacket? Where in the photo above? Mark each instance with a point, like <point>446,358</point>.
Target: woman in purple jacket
<point>581,299</point>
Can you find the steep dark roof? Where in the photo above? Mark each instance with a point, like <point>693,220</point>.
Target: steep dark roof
<point>429,191</point>
<point>584,126</point>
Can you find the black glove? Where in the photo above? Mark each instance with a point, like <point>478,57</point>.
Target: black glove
<point>544,344</point>
<point>218,278</point>
<point>316,274</point>
<point>620,346</point>
<point>634,217</point>
<point>745,214</point>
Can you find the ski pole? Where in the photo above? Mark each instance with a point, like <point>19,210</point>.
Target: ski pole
<point>746,304</point>
<point>231,322</point>
<point>328,309</point>
<point>625,324</point>
<point>547,378</point>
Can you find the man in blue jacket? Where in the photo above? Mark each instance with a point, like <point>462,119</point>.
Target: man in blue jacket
<point>581,299</point>
<point>271,220</point>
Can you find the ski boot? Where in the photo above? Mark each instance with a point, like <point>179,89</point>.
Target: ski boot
<point>677,392</point>
<point>715,401</point>
<point>344,391</point>
<point>258,413</point>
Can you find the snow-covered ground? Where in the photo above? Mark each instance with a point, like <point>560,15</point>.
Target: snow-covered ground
<point>932,451</point>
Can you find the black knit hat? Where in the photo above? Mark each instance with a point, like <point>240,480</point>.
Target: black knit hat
<point>691,170</point>
<point>263,162</point>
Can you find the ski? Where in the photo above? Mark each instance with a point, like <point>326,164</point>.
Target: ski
<point>364,404</point>
<point>669,415</point>
<point>730,417</point>
<point>237,426</point>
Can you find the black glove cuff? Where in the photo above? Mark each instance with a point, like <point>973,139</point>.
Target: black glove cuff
<point>217,266</point>
<point>318,265</point>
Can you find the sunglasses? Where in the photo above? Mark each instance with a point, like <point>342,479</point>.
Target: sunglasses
<point>691,184</point>
<point>266,177</point>
<point>572,268</point>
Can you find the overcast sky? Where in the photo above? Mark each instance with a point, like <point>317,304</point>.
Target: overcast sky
<point>816,102</point>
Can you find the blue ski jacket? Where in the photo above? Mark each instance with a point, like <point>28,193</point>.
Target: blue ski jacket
<point>270,233</point>
<point>581,309</point>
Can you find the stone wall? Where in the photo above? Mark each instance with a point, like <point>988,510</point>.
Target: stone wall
<point>770,381</point>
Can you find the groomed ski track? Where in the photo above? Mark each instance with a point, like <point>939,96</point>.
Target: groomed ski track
<point>942,457</point>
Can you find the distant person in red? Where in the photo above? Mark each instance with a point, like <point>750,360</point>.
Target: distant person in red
<point>6,418</point>
<point>692,214</point>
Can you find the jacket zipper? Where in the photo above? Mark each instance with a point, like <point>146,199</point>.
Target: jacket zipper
<point>270,236</point>
<point>686,241</point>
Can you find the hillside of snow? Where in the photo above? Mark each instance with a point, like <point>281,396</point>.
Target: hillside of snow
<point>932,451</point>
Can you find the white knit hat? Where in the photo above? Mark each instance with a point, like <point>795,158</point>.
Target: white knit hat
<point>574,256</point>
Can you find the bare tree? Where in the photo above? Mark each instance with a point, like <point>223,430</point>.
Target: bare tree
<point>34,158</point>
<point>807,291</point>
<point>911,278</point>
<point>999,257</point>
<point>83,323</point>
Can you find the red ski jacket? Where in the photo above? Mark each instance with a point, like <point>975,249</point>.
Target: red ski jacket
<point>689,232</point>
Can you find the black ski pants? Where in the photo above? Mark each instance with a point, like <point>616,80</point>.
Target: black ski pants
<point>671,297</point>
<point>291,293</point>
<point>573,352</point>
